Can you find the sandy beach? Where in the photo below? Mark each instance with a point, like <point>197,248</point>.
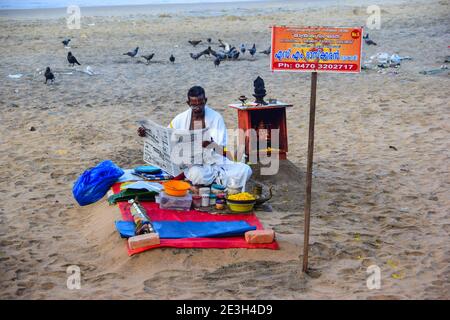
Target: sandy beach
<point>381,165</point>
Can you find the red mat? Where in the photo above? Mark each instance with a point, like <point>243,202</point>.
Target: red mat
<point>157,214</point>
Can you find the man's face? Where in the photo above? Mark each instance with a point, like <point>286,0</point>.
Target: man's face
<point>197,104</point>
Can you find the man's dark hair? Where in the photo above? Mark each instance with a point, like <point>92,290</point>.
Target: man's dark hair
<point>196,91</point>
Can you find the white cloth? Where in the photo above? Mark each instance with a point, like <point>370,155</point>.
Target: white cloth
<point>217,167</point>
<point>128,176</point>
<point>213,121</point>
<point>220,172</point>
<point>144,185</point>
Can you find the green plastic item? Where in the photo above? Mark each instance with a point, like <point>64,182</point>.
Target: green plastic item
<point>125,195</point>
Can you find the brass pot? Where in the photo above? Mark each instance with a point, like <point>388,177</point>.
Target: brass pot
<point>257,192</point>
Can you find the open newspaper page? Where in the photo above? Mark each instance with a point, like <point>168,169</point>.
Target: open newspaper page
<point>172,150</point>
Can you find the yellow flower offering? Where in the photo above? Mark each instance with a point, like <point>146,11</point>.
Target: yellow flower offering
<point>241,202</point>
<point>241,196</point>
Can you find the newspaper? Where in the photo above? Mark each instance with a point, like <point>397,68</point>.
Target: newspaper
<point>172,150</point>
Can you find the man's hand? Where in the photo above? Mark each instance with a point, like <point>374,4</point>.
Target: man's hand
<point>217,148</point>
<point>205,144</point>
<point>141,131</point>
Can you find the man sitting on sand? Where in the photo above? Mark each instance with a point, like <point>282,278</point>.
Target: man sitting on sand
<point>218,168</point>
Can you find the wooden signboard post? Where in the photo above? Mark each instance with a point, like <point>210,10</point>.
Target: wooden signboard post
<point>315,49</point>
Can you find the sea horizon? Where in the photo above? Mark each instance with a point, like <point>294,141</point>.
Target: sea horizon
<point>182,8</point>
<point>57,4</point>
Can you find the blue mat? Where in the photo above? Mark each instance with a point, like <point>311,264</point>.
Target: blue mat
<point>189,229</point>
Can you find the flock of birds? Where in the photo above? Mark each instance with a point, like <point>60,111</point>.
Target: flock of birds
<point>225,52</point>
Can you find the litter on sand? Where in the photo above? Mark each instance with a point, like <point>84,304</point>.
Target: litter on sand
<point>384,60</point>
<point>15,76</point>
<point>89,71</point>
<point>435,71</point>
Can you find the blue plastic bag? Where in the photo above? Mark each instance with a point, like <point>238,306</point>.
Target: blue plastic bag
<point>93,184</point>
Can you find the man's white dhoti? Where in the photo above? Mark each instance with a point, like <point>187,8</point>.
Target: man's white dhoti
<point>216,168</point>
<point>221,172</point>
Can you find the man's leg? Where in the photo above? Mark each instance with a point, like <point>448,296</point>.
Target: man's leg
<point>237,170</point>
<point>198,174</point>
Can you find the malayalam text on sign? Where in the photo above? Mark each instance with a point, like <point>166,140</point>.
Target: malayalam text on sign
<point>320,49</point>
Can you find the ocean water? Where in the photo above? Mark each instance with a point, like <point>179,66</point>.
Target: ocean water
<point>35,4</point>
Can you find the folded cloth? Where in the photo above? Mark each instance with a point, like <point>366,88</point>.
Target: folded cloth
<point>142,185</point>
<point>141,195</point>
<point>129,176</point>
<point>189,229</point>
<point>147,169</point>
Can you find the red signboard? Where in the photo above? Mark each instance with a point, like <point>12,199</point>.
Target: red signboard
<point>320,49</point>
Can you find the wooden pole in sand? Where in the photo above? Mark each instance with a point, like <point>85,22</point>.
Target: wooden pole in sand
<point>312,116</point>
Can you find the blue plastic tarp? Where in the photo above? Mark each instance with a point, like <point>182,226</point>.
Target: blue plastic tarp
<point>189,229</point>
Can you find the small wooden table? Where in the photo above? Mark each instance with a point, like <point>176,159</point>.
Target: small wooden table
<point>257,117</point>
